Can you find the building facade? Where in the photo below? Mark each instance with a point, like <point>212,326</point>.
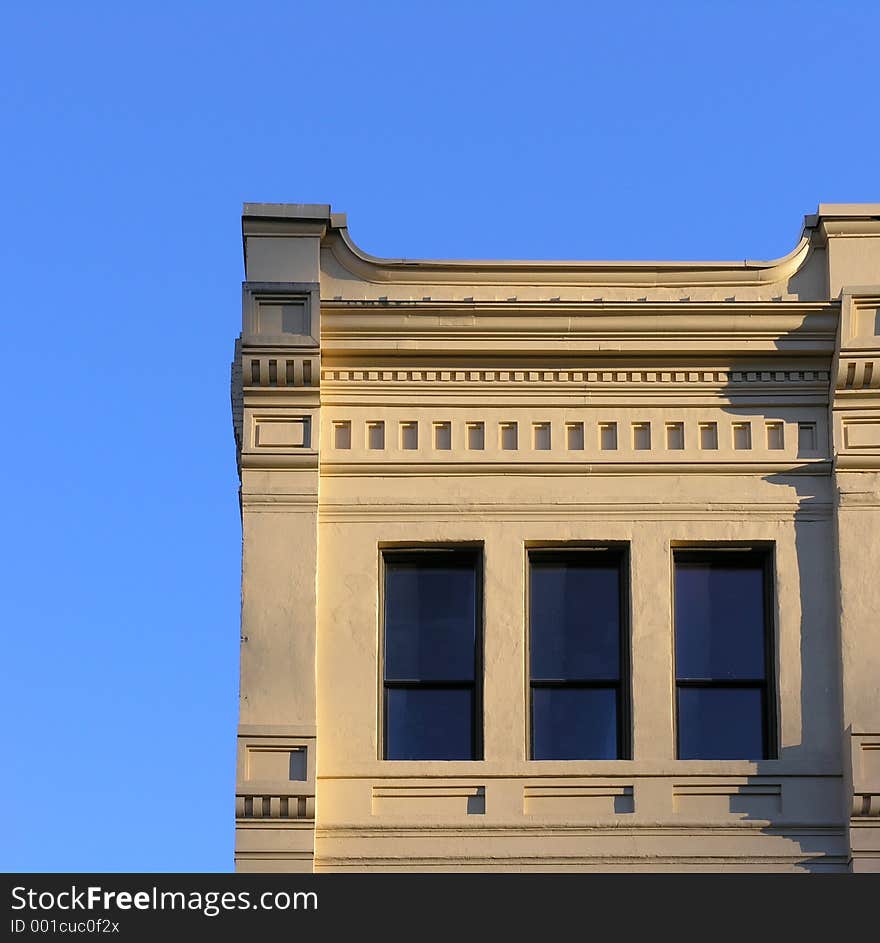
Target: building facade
<point>558,565</point>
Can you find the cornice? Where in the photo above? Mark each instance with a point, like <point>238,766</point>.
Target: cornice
<point>560,328</point>
<point>572,307</point>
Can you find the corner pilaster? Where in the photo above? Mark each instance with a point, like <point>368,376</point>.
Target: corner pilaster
<point>276,406</point>
<point>855,421</point>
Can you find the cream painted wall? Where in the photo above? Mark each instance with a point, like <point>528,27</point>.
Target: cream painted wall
<point>806,777</point>
<point>762,346</point>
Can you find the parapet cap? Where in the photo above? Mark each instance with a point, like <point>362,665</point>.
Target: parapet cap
<point>294,212</point>
<point>281,241</point>
<point>287,210</point>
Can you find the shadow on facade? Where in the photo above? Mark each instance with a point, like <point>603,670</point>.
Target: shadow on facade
<point>809,812</point>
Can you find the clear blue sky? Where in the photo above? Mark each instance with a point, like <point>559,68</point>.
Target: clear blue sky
<point>132,133</point>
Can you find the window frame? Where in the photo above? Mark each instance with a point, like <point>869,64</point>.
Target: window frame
<point>616,554</point>
<point>758,553</point>
<point>414,553</point>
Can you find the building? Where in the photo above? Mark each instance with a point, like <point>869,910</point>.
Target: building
<point>558,565</point>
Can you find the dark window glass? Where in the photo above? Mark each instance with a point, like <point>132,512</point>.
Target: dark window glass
<point>430,723</point>
<point>717,723</point>
<point>577,655</point>
<point>574,723</point>
<point>432,655</point>
<point>430,620</point>
<point>719,621</point>
<point>723,655</point>
<point>575,620</point>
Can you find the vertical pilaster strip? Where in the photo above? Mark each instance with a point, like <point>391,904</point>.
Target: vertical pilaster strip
<point>855,410</point>
<point>278,437</point>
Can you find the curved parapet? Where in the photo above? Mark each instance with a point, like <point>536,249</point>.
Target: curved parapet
<point>575,273</point>
<point>277,234</point>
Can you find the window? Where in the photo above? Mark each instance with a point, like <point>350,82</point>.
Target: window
<point>578,655</point>
<point>433,658</point>
<point>723,654</point>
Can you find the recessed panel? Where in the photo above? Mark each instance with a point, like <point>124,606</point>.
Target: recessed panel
<point>574,802</point>
<point>287,765</point>
<point>862,435</point>
<point>718,801</point>
<point>866,321</point>
<point>285,318</point>
<point>424,801</point>
<point>282,433</point>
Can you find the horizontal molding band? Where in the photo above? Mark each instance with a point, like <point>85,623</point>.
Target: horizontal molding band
<point>277,730</point>
<point>682,829</point>
<point>279,789</point>
<point>338,311</point>
<point>279,855</point>
<point>279,460</point>
<point>516,377</point>
<point>281,395</point>
<point>636,770</point>
<point>760,402</point>
<point>848,462</point>
<point>859,499</point>
<point>820,467</point>
<point>562,512</point>
<point>307,502</point>
<point>256,507</point>
<point>473,346</point>
<point>264,824</point>
<point>747,862</point>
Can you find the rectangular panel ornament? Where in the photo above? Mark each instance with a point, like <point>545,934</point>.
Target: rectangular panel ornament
<point>862,434</point>
<point>292,432</point>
